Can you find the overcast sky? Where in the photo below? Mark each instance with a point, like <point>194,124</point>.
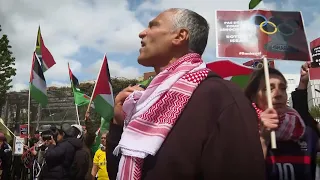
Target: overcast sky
<point>81,31</point>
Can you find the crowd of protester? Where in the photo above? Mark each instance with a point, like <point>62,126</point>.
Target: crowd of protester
<point>187,124</point>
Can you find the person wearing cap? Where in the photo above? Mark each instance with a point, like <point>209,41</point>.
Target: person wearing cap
<point>5,155</point>
<point>80,165</point>
<point>60,153</point>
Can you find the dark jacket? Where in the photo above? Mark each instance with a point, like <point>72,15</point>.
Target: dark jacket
<point>5,160</point>
<point>59,159</point>
<point>80,166</point>
<point>89,138</point>
<point>215,137</point>
<point>291,157</point>
<point>300,104</point>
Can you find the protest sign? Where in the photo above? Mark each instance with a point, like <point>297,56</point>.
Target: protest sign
<point>315,50</point>
<point>314,71</point>
<point>18,146</point>
<point>257,33</point>
<point>24,131</point>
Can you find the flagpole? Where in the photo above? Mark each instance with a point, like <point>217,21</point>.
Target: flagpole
<point>29,104</point>
<point>29,96</point>
<point>269,99</point>
<point>77,111</point>
<point>39,116</point>
<point>8,129</point>
<point>95,85</point>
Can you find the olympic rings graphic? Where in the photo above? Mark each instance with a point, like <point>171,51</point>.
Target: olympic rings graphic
<point>263,17</point>
<point>284,28</point>
<point>272,24</point>
<point>259,64</point>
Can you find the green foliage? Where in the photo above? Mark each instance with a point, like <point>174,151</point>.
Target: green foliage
<point>118,84</point>
<point>7,71</point>
<point>86,88</point>
<point>315,111</point>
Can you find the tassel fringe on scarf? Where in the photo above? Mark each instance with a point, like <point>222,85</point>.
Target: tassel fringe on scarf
<point>291,125</point>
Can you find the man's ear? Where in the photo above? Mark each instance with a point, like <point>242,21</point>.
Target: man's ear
<point>181,36</point>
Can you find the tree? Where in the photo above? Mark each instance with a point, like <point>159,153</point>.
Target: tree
<point>7,70</point>
<point>315,112</point>
<point>118,84</point>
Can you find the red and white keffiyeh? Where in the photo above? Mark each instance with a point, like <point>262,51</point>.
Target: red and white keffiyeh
<point>291,125</point>
<point>150,114</point>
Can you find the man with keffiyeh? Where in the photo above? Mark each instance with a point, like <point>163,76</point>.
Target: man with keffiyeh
<point>188,123</point>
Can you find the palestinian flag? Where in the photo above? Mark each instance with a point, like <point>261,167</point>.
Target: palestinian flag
<point>144,84</point>
<point>254,3</point>
<point>44,55</point>
<point>5,131</point>
<point>234,72</point>
<point>104,126</point>
<point>38,86</point>
<point>80,98</point>
<point>102,95</point>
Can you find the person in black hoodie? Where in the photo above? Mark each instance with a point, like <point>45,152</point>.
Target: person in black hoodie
<point>300,104</point>
<point>80,164</point>
<point>59,156</point>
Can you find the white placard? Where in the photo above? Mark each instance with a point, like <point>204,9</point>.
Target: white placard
<point>18,146</point>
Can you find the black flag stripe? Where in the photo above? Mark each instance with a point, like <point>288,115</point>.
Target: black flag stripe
<point>37,68</point>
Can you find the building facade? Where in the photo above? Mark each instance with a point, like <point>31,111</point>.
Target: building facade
<point>313,94</point>
<point>313,89</point>
<point>293,82</point>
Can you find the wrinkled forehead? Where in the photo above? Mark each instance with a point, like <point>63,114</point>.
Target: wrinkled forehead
<point>274,80</point>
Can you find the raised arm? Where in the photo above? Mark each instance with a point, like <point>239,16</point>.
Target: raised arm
<point>300,99</point>
<point>115,131</point>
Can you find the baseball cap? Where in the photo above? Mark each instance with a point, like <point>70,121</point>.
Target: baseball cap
<point>80,128</point>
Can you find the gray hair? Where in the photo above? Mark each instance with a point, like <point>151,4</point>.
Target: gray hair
<point>197,26</point>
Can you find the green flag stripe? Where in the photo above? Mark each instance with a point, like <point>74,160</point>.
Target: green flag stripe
<point>102,107</point>
<point>241,80</point>
<point>39,83</point>
<point>80,98</point>
<point>104,126</point>
<point>38,95</point>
